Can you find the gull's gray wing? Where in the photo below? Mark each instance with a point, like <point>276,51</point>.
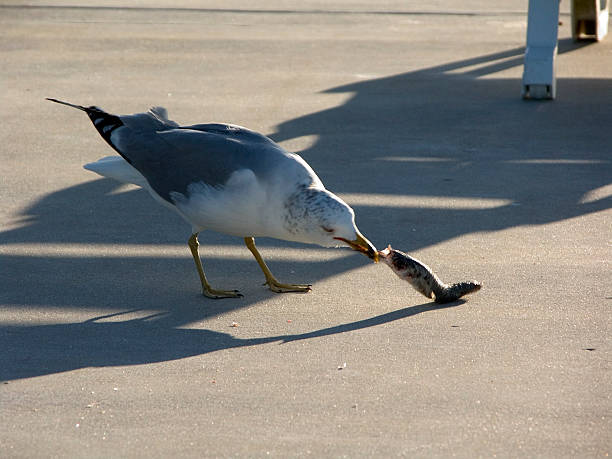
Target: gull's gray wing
<point>173,158</point>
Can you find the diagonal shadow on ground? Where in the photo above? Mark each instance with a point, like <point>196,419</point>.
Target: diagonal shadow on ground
<point>444,132</point>
<point>30,351</point>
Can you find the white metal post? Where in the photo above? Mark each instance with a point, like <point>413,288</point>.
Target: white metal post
<point>539,70</point>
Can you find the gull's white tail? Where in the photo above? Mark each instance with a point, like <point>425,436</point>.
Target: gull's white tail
<point>117,168</point>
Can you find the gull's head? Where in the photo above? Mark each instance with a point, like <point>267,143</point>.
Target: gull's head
<point>317,216</point>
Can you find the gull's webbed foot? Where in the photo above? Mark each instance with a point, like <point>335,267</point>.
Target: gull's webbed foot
<point>215,294</point>
<point>279,287</point>
<point>207,290</point>
<point>271,281</point>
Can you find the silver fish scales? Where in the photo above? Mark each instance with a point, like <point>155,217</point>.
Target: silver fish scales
<point>423,279</point>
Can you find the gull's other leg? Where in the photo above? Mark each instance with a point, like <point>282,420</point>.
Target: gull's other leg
<point>271,281</point>
<point>207,290</point>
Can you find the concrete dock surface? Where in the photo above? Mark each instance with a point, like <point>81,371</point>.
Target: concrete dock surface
<point>412,113</point>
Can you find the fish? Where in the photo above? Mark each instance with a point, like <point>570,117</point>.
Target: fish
<point>423,279</point>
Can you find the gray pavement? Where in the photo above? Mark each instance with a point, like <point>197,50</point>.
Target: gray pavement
<point>412,112</point>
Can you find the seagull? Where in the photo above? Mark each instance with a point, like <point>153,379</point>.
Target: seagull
<point>225,178</point>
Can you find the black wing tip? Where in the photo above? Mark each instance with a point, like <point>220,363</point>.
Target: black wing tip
<point>105,123</point>
<point>57,101</point>
<point>91,110</point>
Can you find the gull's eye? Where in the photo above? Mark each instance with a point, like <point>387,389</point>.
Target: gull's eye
<point>327,230</point>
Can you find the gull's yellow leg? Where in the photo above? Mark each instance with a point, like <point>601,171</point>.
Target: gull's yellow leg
<point>271,281</point>
<point>207,290</point>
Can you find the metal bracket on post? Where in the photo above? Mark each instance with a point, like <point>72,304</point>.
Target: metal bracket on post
<point>539,80</point>
<point>589,19</point>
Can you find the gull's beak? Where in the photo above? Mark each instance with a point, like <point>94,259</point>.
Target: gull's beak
<point>361,244</point>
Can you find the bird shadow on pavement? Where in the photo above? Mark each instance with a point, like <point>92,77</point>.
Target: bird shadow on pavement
<point>445,131</point>
<point>37,350</point>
